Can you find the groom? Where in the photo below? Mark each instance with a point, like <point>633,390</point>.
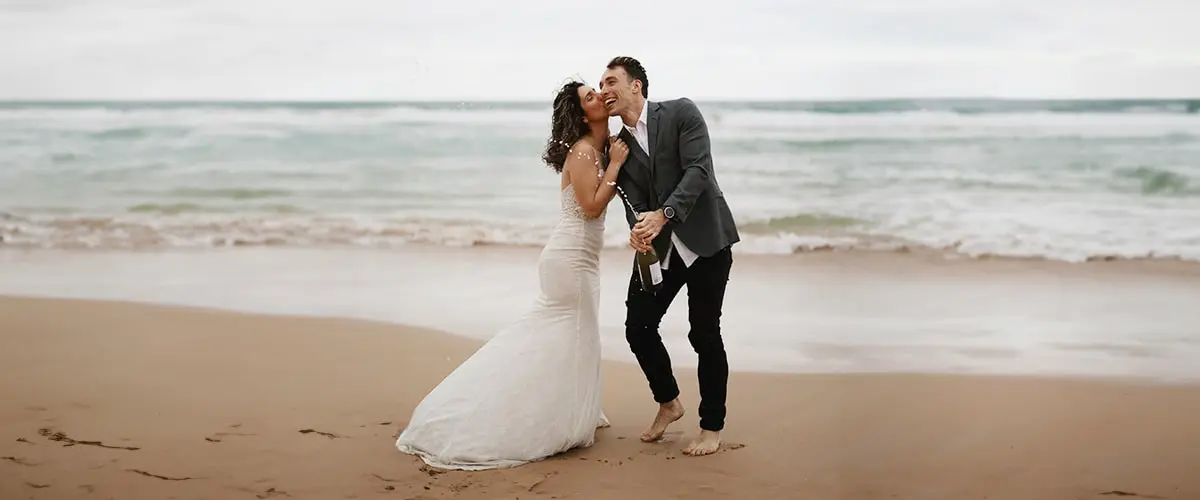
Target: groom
<point>681,211</point>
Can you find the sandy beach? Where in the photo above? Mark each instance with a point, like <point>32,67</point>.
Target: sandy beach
<point>241,241</point>
<point>121,400</point>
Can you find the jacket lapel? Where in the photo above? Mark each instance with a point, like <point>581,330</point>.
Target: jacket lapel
<point>652,135</point>
<point>635,149</point>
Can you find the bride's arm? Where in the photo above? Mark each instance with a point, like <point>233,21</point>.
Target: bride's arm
<point>593,192</point>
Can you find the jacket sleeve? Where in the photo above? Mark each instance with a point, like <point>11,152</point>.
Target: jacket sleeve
<point>695,158</point>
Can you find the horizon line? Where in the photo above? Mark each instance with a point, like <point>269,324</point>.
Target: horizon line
<point>539,101</point>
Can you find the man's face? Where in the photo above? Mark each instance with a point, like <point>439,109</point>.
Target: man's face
<point>619,90</point>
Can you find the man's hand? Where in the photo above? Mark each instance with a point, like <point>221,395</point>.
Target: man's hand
<point>649,225</point>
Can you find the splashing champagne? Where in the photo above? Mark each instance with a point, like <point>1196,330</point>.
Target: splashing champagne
<point>649,269</point>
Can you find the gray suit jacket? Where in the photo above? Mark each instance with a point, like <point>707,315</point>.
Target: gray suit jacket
<point>679,174</point>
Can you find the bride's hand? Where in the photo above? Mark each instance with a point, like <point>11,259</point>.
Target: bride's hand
<point>636,243</point>
<point>617,152</point>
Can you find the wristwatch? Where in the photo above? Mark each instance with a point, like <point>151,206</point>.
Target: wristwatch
<point>668,212</point>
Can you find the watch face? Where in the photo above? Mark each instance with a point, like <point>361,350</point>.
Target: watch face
<point>669,212</point>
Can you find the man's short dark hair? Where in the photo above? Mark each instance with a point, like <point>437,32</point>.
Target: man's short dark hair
<point>635,71</point>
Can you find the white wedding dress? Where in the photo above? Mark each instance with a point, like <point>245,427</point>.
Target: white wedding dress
<point>534,389</point>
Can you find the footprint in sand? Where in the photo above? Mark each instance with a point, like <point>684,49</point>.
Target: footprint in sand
<point>329,435</point>
<point>157,476</point>
<point>217,435</point>
<point>1120,493</point>
<point>18,461</point>
<point>269,493</point>
<point>61,437</point>
<point>272,492</point>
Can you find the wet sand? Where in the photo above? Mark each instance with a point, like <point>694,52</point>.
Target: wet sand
<point>128,401</point>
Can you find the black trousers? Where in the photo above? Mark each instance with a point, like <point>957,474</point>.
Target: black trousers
<point>705,279</point>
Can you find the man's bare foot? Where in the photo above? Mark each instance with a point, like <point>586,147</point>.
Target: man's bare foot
<point>668,413</point>
<point>706,443</point>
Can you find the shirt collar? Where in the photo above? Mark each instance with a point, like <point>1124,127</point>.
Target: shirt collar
<point>642,117</point>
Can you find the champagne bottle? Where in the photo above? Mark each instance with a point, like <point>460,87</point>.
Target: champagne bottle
<point>649,268</point>
<point>650,271</point>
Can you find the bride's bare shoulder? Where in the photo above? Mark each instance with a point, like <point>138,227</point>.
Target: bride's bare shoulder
<point>582,150</point>
<point>583,158</point>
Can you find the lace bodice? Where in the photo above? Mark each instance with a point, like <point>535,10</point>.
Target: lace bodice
<point>570,204</point>
<point>571,207</point>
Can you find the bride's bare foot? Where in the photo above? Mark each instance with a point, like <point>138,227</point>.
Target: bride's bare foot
<point>706,443</point>
<point>667,414</point>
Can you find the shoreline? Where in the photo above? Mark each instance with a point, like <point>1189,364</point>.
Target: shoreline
<point>625,364</point>
<point>801,251</point>
<point>216,404</point>
<point>474,342</point>
<point>824,313</point>
<point>823,254</point>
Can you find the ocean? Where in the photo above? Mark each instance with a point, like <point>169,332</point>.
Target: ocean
<point>1057,180</point>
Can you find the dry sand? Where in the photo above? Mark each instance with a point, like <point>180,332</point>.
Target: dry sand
<point>126,401</point>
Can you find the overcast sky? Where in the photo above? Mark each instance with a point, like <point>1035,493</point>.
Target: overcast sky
<point>523,49</point>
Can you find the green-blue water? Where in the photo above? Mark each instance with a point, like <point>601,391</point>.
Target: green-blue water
<point>1054,179</point>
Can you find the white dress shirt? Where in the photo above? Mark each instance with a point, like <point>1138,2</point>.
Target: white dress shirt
<point>641,132</point>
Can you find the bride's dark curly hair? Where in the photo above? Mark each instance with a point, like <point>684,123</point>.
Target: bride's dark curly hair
<point>568,125</point>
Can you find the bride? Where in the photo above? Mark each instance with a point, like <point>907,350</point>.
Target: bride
<point>534,389</point>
